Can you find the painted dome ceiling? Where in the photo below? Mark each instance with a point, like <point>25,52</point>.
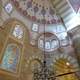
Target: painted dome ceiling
<point>35,10</point>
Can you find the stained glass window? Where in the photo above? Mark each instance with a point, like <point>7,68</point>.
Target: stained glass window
<point>18,31</point>
<point>35,27</point>
<point>11,57</point>
<point>47,45</point>
<point>41,43</point>
<point>54,44</point>
<point>8,8</point>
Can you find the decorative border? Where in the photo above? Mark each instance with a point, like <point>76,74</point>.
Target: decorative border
<point>34,18</point>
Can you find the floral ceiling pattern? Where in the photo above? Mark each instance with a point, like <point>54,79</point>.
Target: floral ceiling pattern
<point>37,10</point>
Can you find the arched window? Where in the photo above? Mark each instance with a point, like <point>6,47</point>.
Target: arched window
<point>18,31</point>
<point>11,58</point>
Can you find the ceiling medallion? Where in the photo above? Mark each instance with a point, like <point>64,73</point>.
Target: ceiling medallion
<point>34,10</point>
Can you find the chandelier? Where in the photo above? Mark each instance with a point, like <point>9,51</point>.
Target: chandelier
<point>44,73</point>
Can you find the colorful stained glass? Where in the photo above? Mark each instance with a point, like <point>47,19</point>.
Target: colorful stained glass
<point>18,31</point>
<point>11,57</point>
<point>47,45</point>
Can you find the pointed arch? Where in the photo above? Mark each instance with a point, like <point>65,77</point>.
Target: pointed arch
<point>11,58</point>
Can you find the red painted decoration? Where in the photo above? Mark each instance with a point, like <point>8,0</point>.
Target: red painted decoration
<point>25,13</point>
<point>33,18</point>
